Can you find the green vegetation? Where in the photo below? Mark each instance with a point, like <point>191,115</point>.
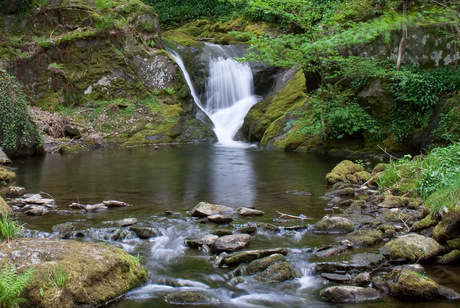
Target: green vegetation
<point>435,178</point>
<point>9,228</point>
<point>18,130</point>
<point>59,277</point>
<point>11,285</point>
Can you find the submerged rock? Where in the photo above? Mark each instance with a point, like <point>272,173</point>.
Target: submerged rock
<point>204,209</point>
<point>95,273</point>
<point>349,294</point>
<point>412,286</point>
<point>187,298</point>
<point>411,248</point>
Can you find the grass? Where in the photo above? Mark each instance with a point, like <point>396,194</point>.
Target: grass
<point>9,228</point>
<point>435,178</point>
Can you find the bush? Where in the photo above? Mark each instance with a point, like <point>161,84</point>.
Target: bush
<point>11,285</point>
<point>436,178</point>
<point>18,130</point>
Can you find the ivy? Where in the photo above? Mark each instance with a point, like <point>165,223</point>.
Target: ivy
<point>17,129</point>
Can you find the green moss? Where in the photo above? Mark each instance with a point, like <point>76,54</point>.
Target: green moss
<point>278,272</point>
<point>345,172</point>
<point>4,207</point>
<point>429,221</point>
<point>175,37</point>
<point>262,264</point>
<point>363,238</point>
<point>6,175</point>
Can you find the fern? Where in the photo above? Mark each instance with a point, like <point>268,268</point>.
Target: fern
<point>11,285</point>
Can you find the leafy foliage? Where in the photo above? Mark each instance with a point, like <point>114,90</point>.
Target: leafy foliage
<point>11,285</point>
<point>9,228</point>
<point>436,178</point>
<point>175,12</point>
<point>17,128</point>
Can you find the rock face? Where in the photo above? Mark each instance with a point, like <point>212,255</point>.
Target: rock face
<point>412,286</point>
<point>95,273</point>
<point>411,248</point>
<point>349,294</point>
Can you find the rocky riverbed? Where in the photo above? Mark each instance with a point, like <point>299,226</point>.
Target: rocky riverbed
<point>382,242</point>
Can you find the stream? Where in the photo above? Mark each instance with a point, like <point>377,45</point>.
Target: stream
<point>176,178</point>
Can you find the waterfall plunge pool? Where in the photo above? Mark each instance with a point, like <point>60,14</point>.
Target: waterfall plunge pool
<point>176,178</point>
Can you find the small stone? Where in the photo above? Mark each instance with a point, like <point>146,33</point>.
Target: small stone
<point>144,232</point>
<point>232,242</point>
<point>204,209</point>
<point>220,219</point>
<point>349,294</point>
<point>336,277</point>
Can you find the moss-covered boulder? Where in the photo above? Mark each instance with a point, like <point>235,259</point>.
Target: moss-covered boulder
<point>365,238</point>
<point>278,272</point>
<point>6,176</point>
<point>70,273</point>
<point>347,171</point>
<point>260,265</point>
<point>333,224</point>
<point>452,257</point>
<point>4,207</point>
<point>408,285</point>
<point>411,248</point>
<point>428,221</point>
<point>448,228</point>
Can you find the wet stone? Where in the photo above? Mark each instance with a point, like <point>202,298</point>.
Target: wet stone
<point>232,242</point>
<point>336,277</point>
<point>244,211</point>
<point>220,219</point>
<point>144,232</point>
<point>349,294</point>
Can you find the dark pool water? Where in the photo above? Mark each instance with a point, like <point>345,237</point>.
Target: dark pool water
<point>176,178</point>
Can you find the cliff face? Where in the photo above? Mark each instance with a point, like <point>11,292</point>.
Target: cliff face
<point>70,54</point>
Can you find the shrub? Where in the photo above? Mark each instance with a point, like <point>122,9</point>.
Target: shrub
<point>18,130</point>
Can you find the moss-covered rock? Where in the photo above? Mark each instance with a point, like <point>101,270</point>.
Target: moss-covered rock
<point>251,255</point>
<point>365,238</point>
<point>333,225</point>
<point>4,208</point>
<point>260,265</point>
<point>411,248</point>
<point>430,220</point>
<point>448,228</point>
<point>6,176</point>
<point>452,257</point>
<point>344,172</point>
<point>408,285</point>
<point>94,273</point>
<point>278,272</point>
<point>187,298</point>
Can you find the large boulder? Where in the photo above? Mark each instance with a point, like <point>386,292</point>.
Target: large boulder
<point>95,273</point>
<point>349,294</point>
<point>204,209</point>
<point>411,248</point>
<point>409,285</point>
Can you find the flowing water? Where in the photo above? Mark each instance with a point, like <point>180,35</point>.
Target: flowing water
<point>229,92</point>
<point>176,178</point>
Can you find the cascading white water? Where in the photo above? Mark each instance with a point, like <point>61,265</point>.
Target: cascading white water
<point>229,93</point>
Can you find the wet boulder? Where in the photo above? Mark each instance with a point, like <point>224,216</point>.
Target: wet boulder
<point>64,230</point>
<point>144,232</point>
<point>333,224</point>
<point>187,298</point>
<point>220,219</point>
<point>391,201</point>
<point>204,209</point>
<point>349,294</point>
<point>357,263</point>
<point>251,255</point>
<point>278,272</point>
<point>411,248</point>
<point>260,265</point>
<point>95,273</point>
<point>245,211</point>
<point>207,240</point>
<point>232,242</point>
<point>365,238</point>
<point>412,286</point>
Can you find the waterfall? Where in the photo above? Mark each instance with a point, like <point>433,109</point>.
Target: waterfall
<point>229,92</point>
